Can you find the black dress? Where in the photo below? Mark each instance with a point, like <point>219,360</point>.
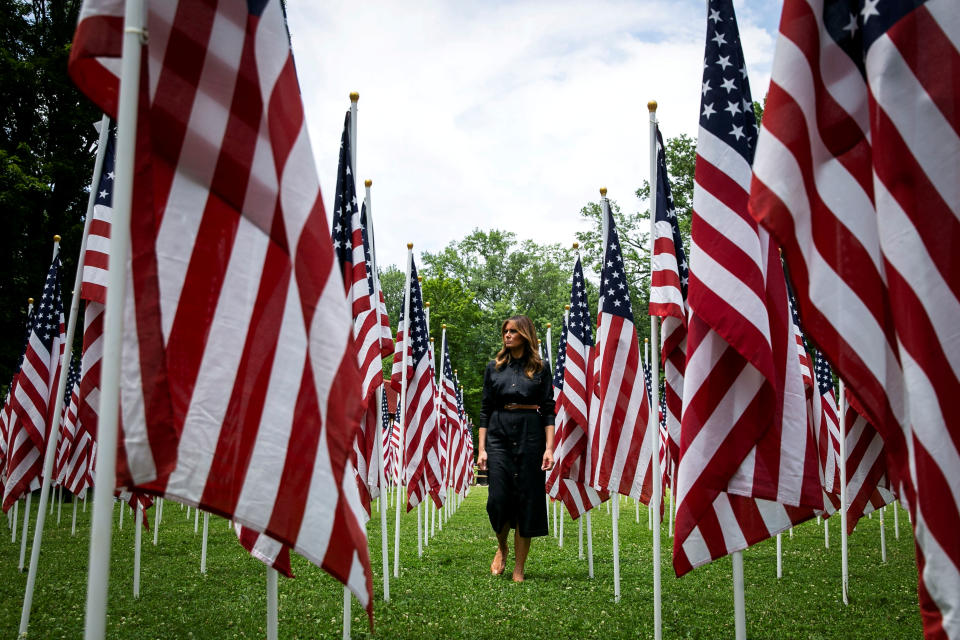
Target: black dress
<point>516,440</point>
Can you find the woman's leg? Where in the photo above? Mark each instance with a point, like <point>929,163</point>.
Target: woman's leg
<point>521,546</point>
<point>500,559</point>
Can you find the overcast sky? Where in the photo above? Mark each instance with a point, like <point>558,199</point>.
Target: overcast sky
<point>506,115</point>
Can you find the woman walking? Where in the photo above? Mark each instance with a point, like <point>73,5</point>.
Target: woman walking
<point>516,441</point>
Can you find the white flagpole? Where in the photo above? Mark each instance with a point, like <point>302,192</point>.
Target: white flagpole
<point>429,503</point>
<point>16,508</point>
<point>156,520</point>
<point>26,527</point>
<point>843,495</point>
<point>196,520</point>
<point>137,545</point>
<point>653,419</point>
<point>589,545</point>
<point>779,557</point>
<point>384,496</point>
<point>73,526</point>
<point>401,409</point>
<point>346,614</point>
<point>826,533</point>
<point>896,519</point>
<point>739,606</point>
<point>134,36</point>
<point>203,544</point>
<point>883,537</point>
<point>120,526</point>
<point>616,547</point>
<point>272,617</point>
<point>59,504</point>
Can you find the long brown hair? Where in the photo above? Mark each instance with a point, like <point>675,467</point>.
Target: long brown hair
<point>530,353</point>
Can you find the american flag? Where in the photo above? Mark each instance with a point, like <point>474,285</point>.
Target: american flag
<point>567,480</point>
<point>826,426</point>
<point>33,401</point>
<point>748,467</point>
<point>856,176</point>
<point>68,422</point>
<point>573,381</point>
<point>352,245</point>
<point>421,465</point>
<point>450,411</point>
<point>868,484</point>
<point>618,452</point>
<point>241,393</point>
<point>668,299</point>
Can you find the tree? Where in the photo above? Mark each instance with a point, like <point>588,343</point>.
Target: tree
<point>45,163</point>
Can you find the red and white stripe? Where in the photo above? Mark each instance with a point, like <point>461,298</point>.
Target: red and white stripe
<point>275,555</point>
<point>68,435</point>
<point>240,385</point>
<point>856,175</point>
<point>868,485</point>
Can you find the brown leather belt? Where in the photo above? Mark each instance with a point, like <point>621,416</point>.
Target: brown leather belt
<point>516,407</point>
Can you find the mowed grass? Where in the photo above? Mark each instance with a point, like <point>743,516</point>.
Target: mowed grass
<point>449,593</point>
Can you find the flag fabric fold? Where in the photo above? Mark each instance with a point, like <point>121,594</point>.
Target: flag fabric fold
<point>239,387</point>
<point>855,174</point>
<point>748,467</point>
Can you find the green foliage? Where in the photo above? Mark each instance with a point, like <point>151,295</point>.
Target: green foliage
<point>449,593</point>
<point>45,166</point>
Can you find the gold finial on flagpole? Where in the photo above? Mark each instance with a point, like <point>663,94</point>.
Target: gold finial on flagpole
<point>29,300</point>
<point>56,238</point>
<point>603,192</point>
<point>409,245</point>
<point>652,105</point>
<point>549,325</point>
<point>443,326</point>
<point>354,96</point>
<point>576,246</point>
<point>368,183</point>
<point>566,307</point>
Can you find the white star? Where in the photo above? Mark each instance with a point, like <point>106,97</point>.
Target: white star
<point>110,176</point>
<point>103,194</point>
<point>852,25</point>
<point>616,303</point>
<point>869,10</point>
<point>671,213</point>
<point>705,88</point>
<point>743,71</point>
<point>724,62</point>
<point>715,16</point>
<point>737,132</point>
<point>728,85</point>
<point>719,39</point>
<point>733,108</point>
<point>746,105</point>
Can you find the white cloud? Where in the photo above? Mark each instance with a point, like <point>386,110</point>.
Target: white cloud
<point>507,115</point>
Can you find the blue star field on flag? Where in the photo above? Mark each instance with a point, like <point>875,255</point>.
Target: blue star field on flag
<point>47,317</point>
<point>579,321</point>
<point>561,358</point>
<point>73,377</point>
<point>105,186</point>
<point>614,293</point>
<point>648,379</point>
<point>823,372</point>
<point>419,337</point>
<point>725,102</point>
<point>666,212</point>
<point>345,206</point>
<point>856,24</point>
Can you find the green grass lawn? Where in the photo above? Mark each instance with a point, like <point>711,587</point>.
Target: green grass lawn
<point>449,593</point>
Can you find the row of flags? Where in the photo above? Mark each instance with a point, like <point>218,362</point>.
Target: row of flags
<point>250,375</point>
<point>752,430</point>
